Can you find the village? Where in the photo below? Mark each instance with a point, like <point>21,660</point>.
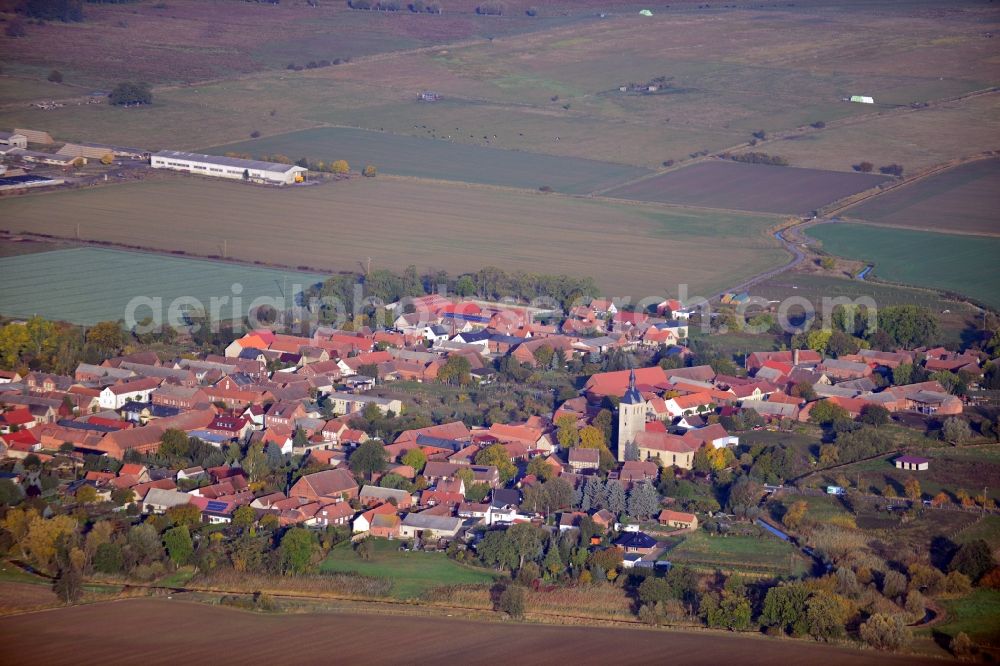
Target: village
<point>305,438</point>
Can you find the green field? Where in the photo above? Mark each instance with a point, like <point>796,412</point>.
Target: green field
<point>976,615</point>
<point>764,554</point>
<point>411,573</point>
<point>440,159</point>
<point>964,199</point>
<point>630,250</point>
<point>961,264</point>
<point>88,285</point>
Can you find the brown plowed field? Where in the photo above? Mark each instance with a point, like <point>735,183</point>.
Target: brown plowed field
<point>151,631</point>
<point>751,187</point>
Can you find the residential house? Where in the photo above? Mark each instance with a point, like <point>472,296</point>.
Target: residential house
<point>429,527</point>
<point>678,519</point>
<point>332,484</point>
<point>581,459</point>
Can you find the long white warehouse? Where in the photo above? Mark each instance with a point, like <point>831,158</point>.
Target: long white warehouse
<point>228,167</point>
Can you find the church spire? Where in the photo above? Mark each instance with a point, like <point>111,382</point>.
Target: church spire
<point>632,395</point>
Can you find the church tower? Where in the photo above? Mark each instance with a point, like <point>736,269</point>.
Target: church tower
<point>631,416</point>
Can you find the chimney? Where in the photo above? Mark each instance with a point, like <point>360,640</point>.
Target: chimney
<point>795,357</point>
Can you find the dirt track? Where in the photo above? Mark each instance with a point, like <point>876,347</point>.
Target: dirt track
<point>159,631</point>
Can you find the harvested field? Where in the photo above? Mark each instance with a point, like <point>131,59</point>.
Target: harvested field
<point>962,264</point>
<point>636,250</point>
<point>106,632</point>
<point>964,199</point>
<point>751,187</point>
<point>440,159</point>
<point>88,285</point>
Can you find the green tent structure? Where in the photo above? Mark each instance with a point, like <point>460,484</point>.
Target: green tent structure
<point>645,12</point>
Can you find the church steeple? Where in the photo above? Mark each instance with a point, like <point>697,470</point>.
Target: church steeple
<point>632,395</point>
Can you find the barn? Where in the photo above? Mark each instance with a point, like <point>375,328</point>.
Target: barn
<point>912,463</point>
<point>271,173</point>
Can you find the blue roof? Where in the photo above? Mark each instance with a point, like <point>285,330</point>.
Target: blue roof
<point>440,442</point>
<point>458,316</point>
<point>217,506</point>
<point>79,425</point>
<point>635,540</point>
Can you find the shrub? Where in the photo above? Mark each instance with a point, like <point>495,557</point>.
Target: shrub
<point>885,632</point>
<point>340,166</point>
<point>131,94</point>
<point>513,601</point>
<point>819,124</point>
<point>892,170</point>
<point>864,167</point>
<point>55,76</point>
<point>255,134</point>
<point>531,11</point>
<point>369,171</point>
<point>760,158</point>
<point>490,9</point>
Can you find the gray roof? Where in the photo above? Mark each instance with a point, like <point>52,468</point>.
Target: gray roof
<point>426,522</point>
<point>235,162</point>
<point>167,498</point>
<point>383,493</point>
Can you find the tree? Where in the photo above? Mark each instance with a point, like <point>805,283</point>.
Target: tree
<point>525,541</point>
<point>912,489</point>
<point>885,632</point>
<point>974,559</point>
<point>106,337</point>
<point>730,610</point>
<point>794,515</point>
<point>68,584</point>
<point>369,171</point>
<point>456,370</point>
<point>128,93</point>
<point>538,467</point>
<point>591,496</point>
<point>179,546</point>
<point>108,558</point>
<point>174,443</point>
<point>825,412</point>
<point>907,326</point>
<point>55,76</point>
<point>416,459</point>
<point>298,545</point>
<point>255,462</point>
<point>567,434</point>
<point>43,536</point>
<point>784,608</point>
<point>956,430</point>
<point>643,500</point>
<point>615,502</point>
<point>553,562</point>
<point>244,518</point>
<point>184,514</point>
<point>86,494</point>
<point>592,438</point>
<point>631,451</point>
<point>497,456</point>
<point>340,167</point>
<point>370,457</point>
<point>826,614</point>
<point>875,415</point>
<point>512,601</point>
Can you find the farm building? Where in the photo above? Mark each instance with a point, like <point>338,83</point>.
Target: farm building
<point>47,158</point>
<point>13,140</point>
<point>912,463</point>
<point>862,99</point>
<point>96,151</point>
<point>229,167</point>
<point>35,136</point>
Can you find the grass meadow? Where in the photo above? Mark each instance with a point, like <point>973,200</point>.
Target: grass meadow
<point>764,554</point>
<point>961,264</point>
<point>440,159</point>
<point>411,573</point>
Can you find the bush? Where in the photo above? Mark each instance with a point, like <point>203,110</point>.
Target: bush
<point>892,170</point>
<point>369,171</point>
<point>131,94</point>
<point>819,124</point>
<point>55,76</point>
<point>885,632</point>
<point>513,601</point>
<point>255,134</point>
<point>863,167</point>
<point>490,9</point>
<point>760,158</point>
<point>531,11</point>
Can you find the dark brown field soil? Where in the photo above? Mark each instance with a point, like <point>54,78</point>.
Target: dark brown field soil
<point>151,631</point>
<point>752,187</point>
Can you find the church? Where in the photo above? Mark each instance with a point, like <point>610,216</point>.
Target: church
<point>670,449</point>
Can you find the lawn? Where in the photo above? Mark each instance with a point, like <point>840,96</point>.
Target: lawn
<point>987,529</point>
<point>961,264</point>
<point>630,250</point>
<point>85,285</point>
<point>412,573</point>
<point>764,554</point>
<point>963,199</point>
<point>440,158</point>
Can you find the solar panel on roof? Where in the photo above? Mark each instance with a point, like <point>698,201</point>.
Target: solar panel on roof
<point>214,505</point>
